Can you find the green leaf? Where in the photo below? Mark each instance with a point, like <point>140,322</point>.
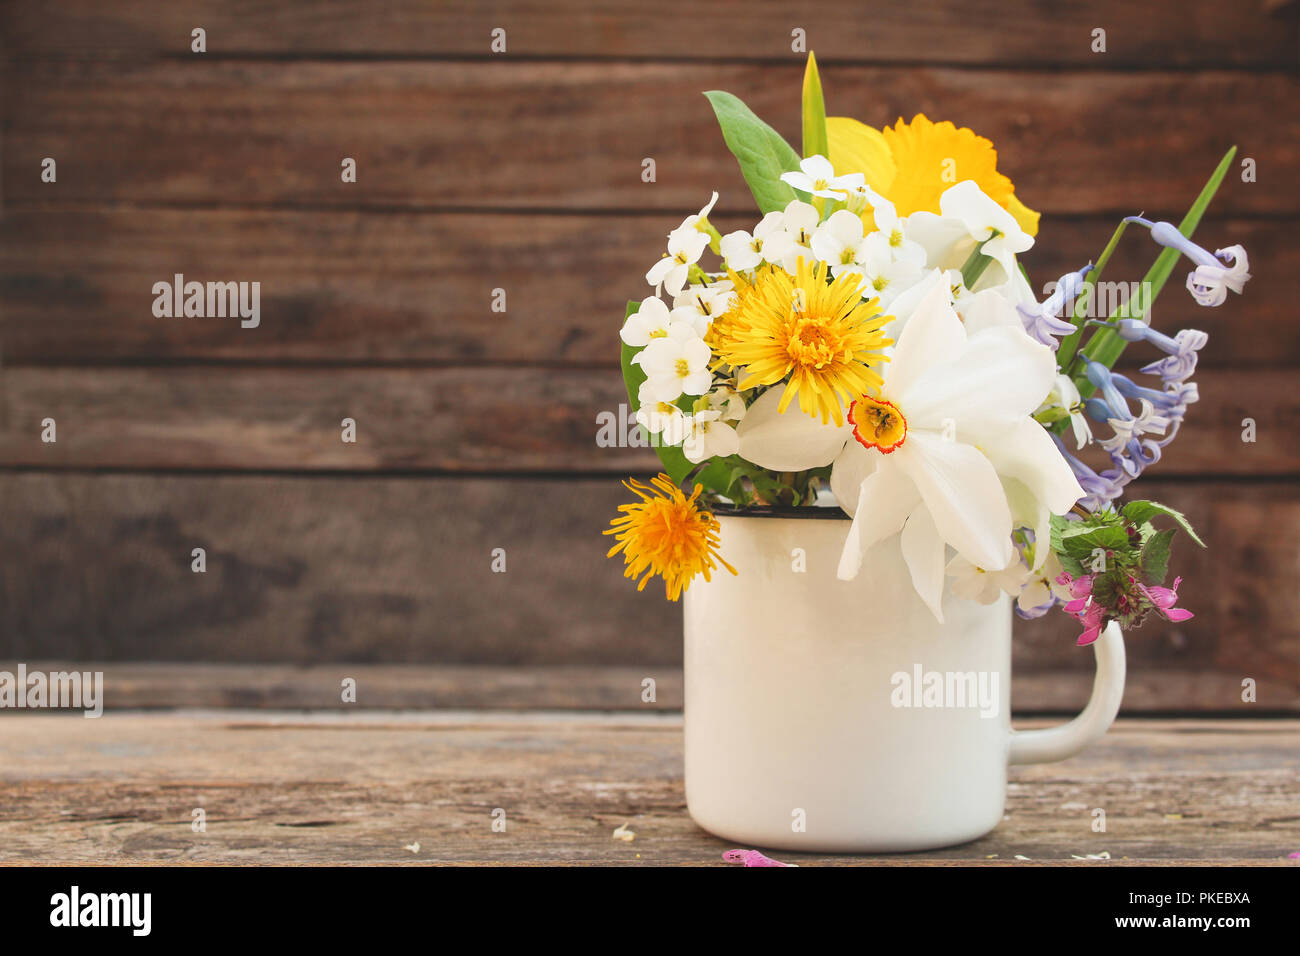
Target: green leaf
<point>1081,540</point>
<point>674,461</point>
<point>815,140</point>
<point>719,476</point>
<point>762,153</point>
<point>1140,511</point>
<point>1155,555</point>
<point>1106,346</point>
<point>1071,565</point>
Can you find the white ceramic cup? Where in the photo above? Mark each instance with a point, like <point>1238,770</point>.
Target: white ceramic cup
<point>797,736</point>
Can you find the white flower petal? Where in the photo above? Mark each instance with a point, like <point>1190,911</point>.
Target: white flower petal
<point>886,498</point>
<point>1000,377</point>
<point>923,550</point>
<point>1029,512</point>
<point>793,441</point>
<point>659,271</point>
<point>946,242</point>
<point>851,468</point>
<point>1027,453</point>
<point>723,440</point>
<point>988,309</point>
<point>933,336</point>
<point>845,226</point>
<point>663,388</point>
<point>737,249</point>
<point>697,353</point>
<point>964,495</point>
<point>967,202</point>
<point>801,219</point>
<point>817,167</point>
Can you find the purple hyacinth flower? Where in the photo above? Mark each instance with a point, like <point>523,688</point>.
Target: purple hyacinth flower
<point>1040,320</point>
<point>1181,349</point>
<point>1215,273</point>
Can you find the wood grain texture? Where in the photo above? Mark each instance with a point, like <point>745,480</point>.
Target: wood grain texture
<point>991,32</point>
<point>386,571</point>
<point>1062,689</point>
<point>500,420</point>
<point>441,135</point>
<point>331,789</point>
<point>523,172</point>
<point>346,286</point>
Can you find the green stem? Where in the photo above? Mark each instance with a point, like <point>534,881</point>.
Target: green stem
<point>710,230</point>
<point>974,266</point>
<point>1070,343</point>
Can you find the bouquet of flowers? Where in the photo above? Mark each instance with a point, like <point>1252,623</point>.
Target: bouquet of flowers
<point>874,343</point>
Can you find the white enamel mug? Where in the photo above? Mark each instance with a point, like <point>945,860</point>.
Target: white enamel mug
<point>841,716</point>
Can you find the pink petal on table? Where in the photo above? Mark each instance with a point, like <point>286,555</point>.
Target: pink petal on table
<point>751,858</point>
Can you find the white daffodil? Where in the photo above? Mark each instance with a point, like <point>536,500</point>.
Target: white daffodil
<point>817,176</point>
<point>984,586</point>
<point>840,243</point>
<point>967,217</point>
<point>932,453</point>
<point>698,305</point>
<point>707,436</point>
<point>660,418</point>
<point>685,246</point>
<point>769,243</point>
<point>676,364</point>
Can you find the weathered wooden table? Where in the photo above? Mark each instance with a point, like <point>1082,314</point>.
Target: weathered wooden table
<point>427,787</point>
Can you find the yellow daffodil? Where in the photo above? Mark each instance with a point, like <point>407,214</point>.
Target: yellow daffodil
<point>912,164</point>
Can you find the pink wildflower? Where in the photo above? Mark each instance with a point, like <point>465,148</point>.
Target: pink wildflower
<point>1164,600</point>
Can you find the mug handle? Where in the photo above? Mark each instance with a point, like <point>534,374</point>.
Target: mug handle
<point>1057,743</point>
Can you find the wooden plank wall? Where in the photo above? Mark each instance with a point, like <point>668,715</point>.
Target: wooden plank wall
<point>522,171</point>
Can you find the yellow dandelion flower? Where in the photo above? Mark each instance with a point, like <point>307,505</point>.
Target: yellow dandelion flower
<point>821,334</point>
<point>721,336</point>
<point>668,534</point>
<point>911,164</point>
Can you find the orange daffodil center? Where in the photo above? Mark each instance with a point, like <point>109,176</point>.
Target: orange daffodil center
<point>877,424</point>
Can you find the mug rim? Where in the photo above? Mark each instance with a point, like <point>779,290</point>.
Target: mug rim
<point>811,512</point>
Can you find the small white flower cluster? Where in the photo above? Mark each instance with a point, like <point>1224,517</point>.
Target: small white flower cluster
<point>674,356</point>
